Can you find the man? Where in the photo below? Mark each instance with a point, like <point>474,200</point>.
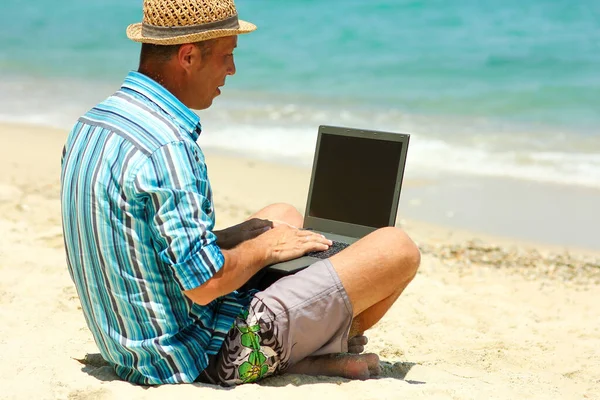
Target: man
<point>158,285</point>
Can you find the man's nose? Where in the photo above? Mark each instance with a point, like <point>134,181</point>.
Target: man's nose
<point>231,68</point>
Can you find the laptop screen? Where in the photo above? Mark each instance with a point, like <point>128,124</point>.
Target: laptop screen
<point>355,179</point>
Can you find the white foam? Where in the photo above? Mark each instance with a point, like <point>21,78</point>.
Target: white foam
<point>296,145</point>
<point>553,167</point>
<point>289,145</point>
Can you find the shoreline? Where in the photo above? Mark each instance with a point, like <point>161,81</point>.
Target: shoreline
<point>435,202</point>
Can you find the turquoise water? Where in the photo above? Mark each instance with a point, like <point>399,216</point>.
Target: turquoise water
<point>507,88</point>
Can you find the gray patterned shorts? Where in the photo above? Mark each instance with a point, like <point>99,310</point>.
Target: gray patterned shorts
<point>301,315</point>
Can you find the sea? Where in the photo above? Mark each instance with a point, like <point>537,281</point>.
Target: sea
<point>498,88</point>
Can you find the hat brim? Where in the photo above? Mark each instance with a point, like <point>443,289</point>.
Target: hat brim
<point>134,32</point>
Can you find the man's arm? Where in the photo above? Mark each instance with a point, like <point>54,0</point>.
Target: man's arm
<point>281,243</point>
<point>234,235</point>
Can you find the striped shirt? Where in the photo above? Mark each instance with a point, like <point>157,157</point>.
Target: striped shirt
<point>138,223</point>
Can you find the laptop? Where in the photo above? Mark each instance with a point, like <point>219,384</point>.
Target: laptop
<point>354,188</point>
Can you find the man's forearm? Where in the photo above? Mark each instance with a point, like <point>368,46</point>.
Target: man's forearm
<point>234,235</point>
<point>241,263</point>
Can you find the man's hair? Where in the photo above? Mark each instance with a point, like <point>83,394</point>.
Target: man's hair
<point>162,53</point>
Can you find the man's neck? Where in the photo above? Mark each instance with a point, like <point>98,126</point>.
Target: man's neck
<point>167,79</point>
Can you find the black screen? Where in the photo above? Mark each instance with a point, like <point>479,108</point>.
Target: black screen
<point>355,179</point>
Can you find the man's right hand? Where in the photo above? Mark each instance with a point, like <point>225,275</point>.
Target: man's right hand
<point>285,242</point>
<point>280,243</point>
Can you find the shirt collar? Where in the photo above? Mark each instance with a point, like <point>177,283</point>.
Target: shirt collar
<point>159,95</point>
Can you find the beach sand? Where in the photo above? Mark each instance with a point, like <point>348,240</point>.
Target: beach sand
<point>484,318</point>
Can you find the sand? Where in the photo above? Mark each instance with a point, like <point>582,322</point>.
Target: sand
<point>481,319</point>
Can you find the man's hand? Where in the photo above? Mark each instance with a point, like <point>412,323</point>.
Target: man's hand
<point>285,242</point>
<point>270,245</point>
<point>233,236</point>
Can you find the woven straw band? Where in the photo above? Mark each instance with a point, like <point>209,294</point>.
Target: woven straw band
<point>164,32</point>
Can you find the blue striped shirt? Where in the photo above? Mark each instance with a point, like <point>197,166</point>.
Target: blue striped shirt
<point>138,223</point>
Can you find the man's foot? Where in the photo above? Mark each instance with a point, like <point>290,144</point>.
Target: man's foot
<point>351,366</point>
<point>356,345</point>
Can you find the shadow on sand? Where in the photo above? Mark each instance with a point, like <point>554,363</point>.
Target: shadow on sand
<point>394,370</point>
<point>95,366</point>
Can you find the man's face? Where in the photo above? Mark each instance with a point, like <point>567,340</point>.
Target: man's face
<point>210,73</point>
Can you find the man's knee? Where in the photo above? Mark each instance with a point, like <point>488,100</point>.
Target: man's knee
<point>287,213</point>
<point>404,251</point>
<point>281,212</point>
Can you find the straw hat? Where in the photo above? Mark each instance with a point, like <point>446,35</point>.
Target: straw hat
<point>169,22</point>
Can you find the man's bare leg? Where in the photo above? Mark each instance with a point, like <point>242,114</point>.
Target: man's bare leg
<point>386,260</point>
<point>371,316</point>
<point>281,212</point>
<point>351,366</point>
<point>357,341</point>
<point>375,271</point>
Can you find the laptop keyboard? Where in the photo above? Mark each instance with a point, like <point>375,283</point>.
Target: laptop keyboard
<point>335,248</point>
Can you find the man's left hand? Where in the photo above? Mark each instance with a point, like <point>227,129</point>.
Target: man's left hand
<point>232,236</point>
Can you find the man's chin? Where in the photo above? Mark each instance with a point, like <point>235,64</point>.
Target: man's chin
<point>202,106</point>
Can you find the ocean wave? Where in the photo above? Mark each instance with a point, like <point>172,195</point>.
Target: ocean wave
<point>284,129</point>
<point>425,156</point>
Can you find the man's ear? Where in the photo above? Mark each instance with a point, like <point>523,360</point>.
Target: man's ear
<point>187,55</point>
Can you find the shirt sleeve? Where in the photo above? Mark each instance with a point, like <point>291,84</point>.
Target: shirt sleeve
<point>176,190</point>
